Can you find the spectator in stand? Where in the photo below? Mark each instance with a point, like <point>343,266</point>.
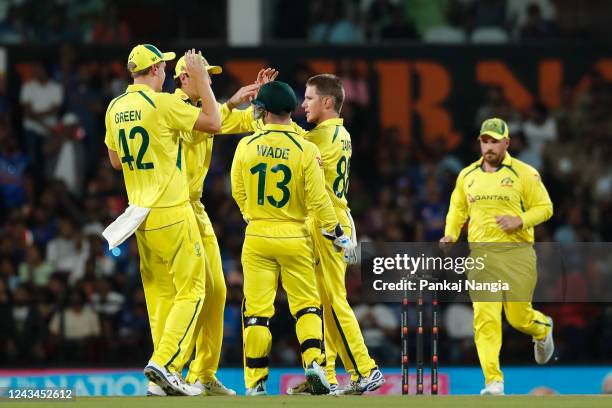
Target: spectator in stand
<point>16,186</point>
<point>84,99</point>
<point>34,270</point>
<point>65,159</point>
<point>105,301</point>
<point>8,273</point>
<point>69,251</point>
<point>75,329</point>
<point>41,99</point>
<point>539,128</point>
<point>25,328</point>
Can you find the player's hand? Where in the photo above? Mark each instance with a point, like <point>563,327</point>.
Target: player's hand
<point>341,240</point>
<point>244,94</point>
<point>509,223</point>
<point>446,242</point>
<point>266,75</point>
<point>194,66</point>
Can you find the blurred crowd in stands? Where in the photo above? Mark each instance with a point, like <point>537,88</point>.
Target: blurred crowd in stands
<point>438,21</point>
<point>65,299</point>
<point>317,21</point>
<point>109,21</point>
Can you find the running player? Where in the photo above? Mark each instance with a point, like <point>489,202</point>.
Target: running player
<point>504,199</point>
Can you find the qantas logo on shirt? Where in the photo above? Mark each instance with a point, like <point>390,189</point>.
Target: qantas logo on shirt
<point>487,197</point>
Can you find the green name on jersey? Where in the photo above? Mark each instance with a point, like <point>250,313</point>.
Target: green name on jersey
<point>127,116</point>
<point>274,152</point>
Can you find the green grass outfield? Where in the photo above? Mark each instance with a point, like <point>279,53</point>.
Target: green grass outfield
<point>413,401</point>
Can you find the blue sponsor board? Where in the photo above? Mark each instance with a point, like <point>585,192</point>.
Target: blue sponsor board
<point>463,380</point>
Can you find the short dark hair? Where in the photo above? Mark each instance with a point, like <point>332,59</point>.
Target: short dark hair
<point>329,85</point>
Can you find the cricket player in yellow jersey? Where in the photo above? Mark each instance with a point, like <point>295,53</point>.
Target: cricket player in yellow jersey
<point>323,101</point>
<point>503,198</point>
<point>144,133</point>
<point>208,334</point>
<point>276,181</point>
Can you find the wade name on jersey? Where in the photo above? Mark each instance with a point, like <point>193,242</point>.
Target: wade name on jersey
<point>273,152</point>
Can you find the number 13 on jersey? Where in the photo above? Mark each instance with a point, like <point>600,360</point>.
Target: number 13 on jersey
<point>261,169</point>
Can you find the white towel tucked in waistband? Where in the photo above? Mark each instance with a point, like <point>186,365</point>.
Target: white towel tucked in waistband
<point>125,225</point>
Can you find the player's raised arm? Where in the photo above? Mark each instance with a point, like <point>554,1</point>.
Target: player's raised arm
<point>242,121</point>
<point>209,119</point>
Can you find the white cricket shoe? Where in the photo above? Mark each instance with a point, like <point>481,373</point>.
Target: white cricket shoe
<point>364,384</point>
<point>154,390</point>
<point>317,378</point>
<point>372,382</point>
<point>170,383</point>
<point>493,388</point>
<point>544,349</point>
<point>258,390</point>
<point>213,388</point>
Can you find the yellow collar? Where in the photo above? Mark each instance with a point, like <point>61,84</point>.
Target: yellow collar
<point>280,128</point>
<point>138,87</point>
<point>331,122</point>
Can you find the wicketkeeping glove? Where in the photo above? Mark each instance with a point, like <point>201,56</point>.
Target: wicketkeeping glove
<point>351,254</point>
<point>340,240</point>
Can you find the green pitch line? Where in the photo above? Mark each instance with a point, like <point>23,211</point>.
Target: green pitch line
<point>591,401</point>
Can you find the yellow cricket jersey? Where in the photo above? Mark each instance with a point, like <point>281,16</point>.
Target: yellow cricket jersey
<point>334,143</point>
<point>514,189</point>
<point>277,176</point>
<point>146,129</point>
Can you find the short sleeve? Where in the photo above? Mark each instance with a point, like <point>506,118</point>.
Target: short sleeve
<point>109,140</point>
<point>177,114</point>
